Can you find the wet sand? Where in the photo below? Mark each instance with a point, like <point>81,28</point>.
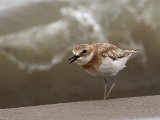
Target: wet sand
<point>135,108</point>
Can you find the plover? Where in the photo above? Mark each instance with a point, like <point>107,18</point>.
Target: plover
<point>101,59</point>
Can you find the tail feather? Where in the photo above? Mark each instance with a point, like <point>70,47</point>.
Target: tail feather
<point>134,51</point>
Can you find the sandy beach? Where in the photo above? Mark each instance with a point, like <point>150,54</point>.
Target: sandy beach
<point>135,108</point>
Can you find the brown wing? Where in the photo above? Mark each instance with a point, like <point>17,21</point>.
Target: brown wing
<point>110,50</point>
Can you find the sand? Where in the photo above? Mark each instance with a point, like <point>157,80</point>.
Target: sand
<point>136,108</point>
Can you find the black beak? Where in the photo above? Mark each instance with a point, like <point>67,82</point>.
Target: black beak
<point>73,58</point>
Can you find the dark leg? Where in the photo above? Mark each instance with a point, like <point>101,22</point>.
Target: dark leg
<point>105,88</point>
<point>113,85</point>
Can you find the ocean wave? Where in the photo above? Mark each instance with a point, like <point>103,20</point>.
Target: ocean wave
<point>42,46</point>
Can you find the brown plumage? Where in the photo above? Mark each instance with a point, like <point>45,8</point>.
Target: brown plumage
<point>102,59</point>
<point>103,50</point>
<point>110,50</point>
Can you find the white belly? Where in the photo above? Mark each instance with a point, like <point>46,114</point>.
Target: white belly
<point>110,67</point>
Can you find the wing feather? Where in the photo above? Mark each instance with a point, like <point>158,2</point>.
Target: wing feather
<point>110,50</point>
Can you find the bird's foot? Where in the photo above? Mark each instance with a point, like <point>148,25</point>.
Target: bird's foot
<point>105,97</point>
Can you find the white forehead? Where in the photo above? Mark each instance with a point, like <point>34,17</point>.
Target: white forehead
<point>79,48</point>
<point>76,52</point>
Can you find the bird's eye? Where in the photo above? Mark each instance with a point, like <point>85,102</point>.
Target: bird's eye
<point>84,51</point>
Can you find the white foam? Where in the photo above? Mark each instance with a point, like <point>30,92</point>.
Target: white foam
<point>80,22</point>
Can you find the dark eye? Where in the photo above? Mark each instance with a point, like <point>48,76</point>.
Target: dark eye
<point>84,51</point>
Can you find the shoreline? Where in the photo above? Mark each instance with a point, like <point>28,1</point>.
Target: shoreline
<point>138,108</point>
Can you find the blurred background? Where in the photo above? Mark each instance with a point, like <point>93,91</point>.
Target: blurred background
<point>36,38</point>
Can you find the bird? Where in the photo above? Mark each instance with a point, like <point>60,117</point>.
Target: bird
<point>102,59</point>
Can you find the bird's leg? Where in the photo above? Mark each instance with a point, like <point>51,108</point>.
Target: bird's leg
<point>113,85</point>
<point>105,88</point>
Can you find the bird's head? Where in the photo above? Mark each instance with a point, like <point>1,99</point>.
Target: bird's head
<point>82,54</point>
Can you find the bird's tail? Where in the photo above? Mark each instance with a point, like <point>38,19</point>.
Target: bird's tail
<point>132,51</point>
<point>135,50</point>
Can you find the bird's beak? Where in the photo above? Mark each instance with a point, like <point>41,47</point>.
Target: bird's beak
<point>73,58</point>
